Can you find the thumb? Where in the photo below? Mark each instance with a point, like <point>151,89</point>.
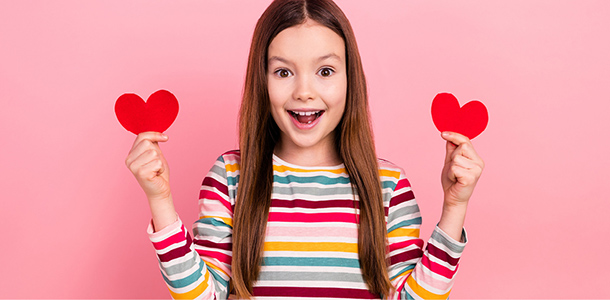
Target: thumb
<point>449,148</point>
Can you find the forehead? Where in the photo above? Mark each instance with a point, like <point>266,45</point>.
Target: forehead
<point>310,39</point>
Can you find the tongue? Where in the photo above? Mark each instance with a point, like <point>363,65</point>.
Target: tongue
<point>306,119</point>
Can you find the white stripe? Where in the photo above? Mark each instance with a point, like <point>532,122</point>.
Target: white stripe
<point>348,210</point>
<point>311,239</point>
<point>321,284</point>
<point>310,197</point>
<point>323,254</point>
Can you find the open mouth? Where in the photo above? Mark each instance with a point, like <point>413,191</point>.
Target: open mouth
<point>306,117</point>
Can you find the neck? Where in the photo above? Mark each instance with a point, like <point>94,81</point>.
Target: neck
<point>322,154</point>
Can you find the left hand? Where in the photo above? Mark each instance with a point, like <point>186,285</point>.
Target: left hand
<point>462,169</point>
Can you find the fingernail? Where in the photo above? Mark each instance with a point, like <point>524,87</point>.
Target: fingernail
<point>163,136</point>
<point>445,133</point>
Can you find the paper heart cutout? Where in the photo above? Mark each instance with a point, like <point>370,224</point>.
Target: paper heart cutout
<point>469,120</point>
<point>156,114</point>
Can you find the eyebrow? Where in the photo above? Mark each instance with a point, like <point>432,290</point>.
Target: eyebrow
<point>321,58</point>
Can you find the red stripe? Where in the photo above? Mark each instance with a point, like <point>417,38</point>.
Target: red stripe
<point>404,197</point>
<point>312,218</point>
<point>215,255</point>
<point>209,244</point>
<point>314,204</point>
<point>406,256</point>
<point>407,243</point>
<point>313,292</point>
<point>437,268</point>
<point>213,196</point>
<point>178,252</point>
<point>176,238</point>
<point>209,181</point>
<point>403,183</point>
<point>442,255</point>
<point>232,152</point>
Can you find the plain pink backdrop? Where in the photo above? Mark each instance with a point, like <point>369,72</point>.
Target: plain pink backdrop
<point>73,218</point>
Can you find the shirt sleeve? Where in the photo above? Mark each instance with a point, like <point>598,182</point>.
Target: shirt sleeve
<point>199,268</point>
<point>417,272</point>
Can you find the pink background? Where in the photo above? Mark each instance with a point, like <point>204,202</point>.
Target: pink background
<point>73,218</point>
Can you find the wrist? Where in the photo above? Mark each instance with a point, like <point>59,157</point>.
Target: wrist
<point>454,205</point>
<point>163,212</point>
<point>452,219</point>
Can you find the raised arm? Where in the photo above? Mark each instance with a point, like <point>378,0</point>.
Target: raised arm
<point>189,266</point>
<point>460,175</point>
<point>148,165</point>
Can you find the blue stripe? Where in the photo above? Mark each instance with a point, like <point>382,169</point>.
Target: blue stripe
<point>315,179</point>
<point>311,262</point>
<point>213,221</point>
<point>406,223</point>
<point>405,295</point>
<point>217,277</point>
<point>388,184</point>
<point>232,181</point>
<point>407,268</point>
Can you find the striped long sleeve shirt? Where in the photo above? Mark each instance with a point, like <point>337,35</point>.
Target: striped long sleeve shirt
<point>311,243</point>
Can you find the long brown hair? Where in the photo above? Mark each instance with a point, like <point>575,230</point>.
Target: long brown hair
<point>258,135</point>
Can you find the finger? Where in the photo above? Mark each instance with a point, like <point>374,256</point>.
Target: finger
<point>143,159</point>
<point>464,176</point>
<point>143,142</point>
<point>152,136</point>
<point>142,147</point>
<point>463,145</point>
<point>451,145</point>
<point>455,137</point>
<point>463,162</point>
<point>151,169</point>
<point>467,150</point>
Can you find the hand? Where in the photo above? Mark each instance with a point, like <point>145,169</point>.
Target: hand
<point>146,162</point>
<point>462,169</point>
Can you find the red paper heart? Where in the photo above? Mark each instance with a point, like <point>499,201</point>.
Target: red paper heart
<point>156,114</point>
<point>469,120</point>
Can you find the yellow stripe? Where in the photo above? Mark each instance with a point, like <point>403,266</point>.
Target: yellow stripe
<point>382,172</point>
<point>192,294</point>
<point>423,292</point>
<point>299,246</point>
<point>209,264</point>
<point>227,221</point>
<point>285,168</point>
<point>404,274</point>
<point>389,173</point>
<point>400,232</point>
<point>232,168</point>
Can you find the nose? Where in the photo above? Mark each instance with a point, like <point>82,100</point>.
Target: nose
<point>304,89</point>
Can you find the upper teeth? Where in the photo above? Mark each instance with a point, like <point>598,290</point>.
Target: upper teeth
<point>305,113</point>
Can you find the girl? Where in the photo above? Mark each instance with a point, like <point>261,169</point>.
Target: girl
<point>316,213</point>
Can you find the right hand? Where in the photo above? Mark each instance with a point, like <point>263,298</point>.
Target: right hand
<point>147,163</point>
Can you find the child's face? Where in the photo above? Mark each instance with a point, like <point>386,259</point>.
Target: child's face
<point>307,84</point>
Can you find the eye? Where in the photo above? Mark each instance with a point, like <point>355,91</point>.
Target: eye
<point>325,72</point>
<point>283,73</point>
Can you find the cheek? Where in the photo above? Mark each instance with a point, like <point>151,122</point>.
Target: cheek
<point>336,95</point>
<point>277,93</point>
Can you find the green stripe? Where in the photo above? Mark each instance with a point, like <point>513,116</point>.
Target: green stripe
<point>314,179</point>
<point>312,261</point>
<point>213,222</point>
<point>407,268</point>
<point>405,223</point>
